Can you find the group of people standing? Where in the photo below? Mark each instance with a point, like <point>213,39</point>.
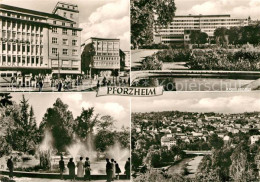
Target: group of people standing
<point>113,170</point>
<point>81,168</point>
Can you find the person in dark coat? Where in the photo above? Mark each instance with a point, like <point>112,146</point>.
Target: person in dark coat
<point>87,169</point>
<point>62,167</point>
<point>59,85</point>
<point>118,170</point>
<point>109,171</point>
<point>10,166</point>
<point>98,84</point>
<point>71,166</point>
<point>40,85</point>
<point>127,168</point>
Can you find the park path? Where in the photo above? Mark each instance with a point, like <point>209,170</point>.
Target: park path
<point>56,180</point>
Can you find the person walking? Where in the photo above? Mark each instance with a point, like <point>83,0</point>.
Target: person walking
<point>109,170</point>
<point>62,167</point>
<point>80,166</point>
<point>59,86</point>
<point>40,85</point>
<point>127,168</point>
<point>118,170</point>
<point>71,166</point>
<point>10,166</point>
<point>113,169</point>
<point>87,169</point>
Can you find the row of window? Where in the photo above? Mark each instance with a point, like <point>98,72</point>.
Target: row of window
<point>66,62</point>
<point>106,63</point>
<point>8,60</point>
<point>20,16</point>
<point>64,31</point>
<point>106,58</point>
<point>64,51</point>
<point>64,41</point>
<point>205,20</point>
<point>63,23</point>
<point>107,54</point>
<point>22,26</point>
<point>22,47</point>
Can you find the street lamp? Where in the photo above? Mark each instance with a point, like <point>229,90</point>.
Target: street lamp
<point>58,65</point>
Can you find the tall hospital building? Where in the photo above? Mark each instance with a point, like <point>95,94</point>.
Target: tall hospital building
<point>178,30</point>
<point>39,42</point>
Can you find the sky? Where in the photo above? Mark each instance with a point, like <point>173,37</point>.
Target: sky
<point>236,8</point>
<point>117,107</point>
<point>219,102</point>
<point>98,18</point>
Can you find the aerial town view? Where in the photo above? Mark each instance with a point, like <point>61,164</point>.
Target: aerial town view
<point>60,46</point>
<point>177,137</point>
<point>200,45</point>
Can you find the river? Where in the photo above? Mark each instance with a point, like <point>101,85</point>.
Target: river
<point>193,164</point>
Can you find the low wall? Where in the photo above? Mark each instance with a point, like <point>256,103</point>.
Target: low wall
<point>52,175</point>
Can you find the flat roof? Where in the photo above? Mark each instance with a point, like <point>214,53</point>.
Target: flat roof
<point>39,13</point>
<point>104,38</point>
<point>186,16</point>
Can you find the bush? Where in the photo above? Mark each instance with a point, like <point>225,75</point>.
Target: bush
<point>151,63</point>
<point>6,179</point>
<point>225,59</point>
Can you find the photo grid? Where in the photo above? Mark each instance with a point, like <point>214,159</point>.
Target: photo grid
<point>130,90</point>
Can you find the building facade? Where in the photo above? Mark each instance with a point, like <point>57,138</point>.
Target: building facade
<point>176,31</point>
<point>106,61</point>
<point>127,60</point>
<point>38,42</point>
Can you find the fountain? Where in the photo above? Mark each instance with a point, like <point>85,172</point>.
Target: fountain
<point>48,159</point>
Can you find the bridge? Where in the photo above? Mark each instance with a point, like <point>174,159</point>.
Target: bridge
<point>199,152</point>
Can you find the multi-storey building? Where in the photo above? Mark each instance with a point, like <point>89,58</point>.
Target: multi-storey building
<point>176,31</point>
<point>106,61</point>
<point>38,42</point>
<point>127,60</point>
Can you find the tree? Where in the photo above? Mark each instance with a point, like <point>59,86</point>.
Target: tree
<point>123,137</point>
<point>221,35</point>
<point>240,169</point>
<point>5,99</point>
<point>106,123</point>
<point>23,134</point>
<point>198,37</point>
<point>104,139</point>
<point>147,15</point>
<point>87,57</point>
<point>234,35</point>
<point>215,141</point>
<point>59,121</point>
<point>85,123</point>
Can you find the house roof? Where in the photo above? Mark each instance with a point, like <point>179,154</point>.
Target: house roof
<point>38,13</point>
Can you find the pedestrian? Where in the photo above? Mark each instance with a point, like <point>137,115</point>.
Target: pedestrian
<point>71,166</point>
<point>113,169</point>
<point>40,85</point>
<point>104,81</point>
<point>10,166</point>
<point>80,166</point>
<point>59,86</point>
<point>109,171</point>
<point>87,169</point>
<point>98,84</point>
<point>118,170</point>
<point>62,167</point>
<point>127,168</point>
